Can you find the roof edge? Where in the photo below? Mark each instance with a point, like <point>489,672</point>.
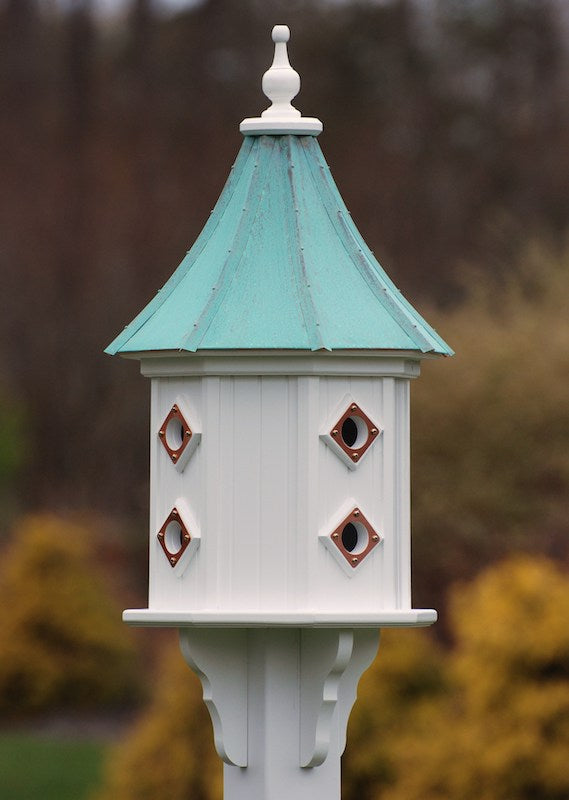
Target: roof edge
<point>355,353</point>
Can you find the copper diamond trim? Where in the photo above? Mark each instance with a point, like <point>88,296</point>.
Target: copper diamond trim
<point>172,529</point>
<point>175,434</point>
<point>358,422</point>
<point>366,537</point>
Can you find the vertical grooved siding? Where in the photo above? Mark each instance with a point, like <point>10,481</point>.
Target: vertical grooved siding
<point>404,521</point>
<point>262,485</point>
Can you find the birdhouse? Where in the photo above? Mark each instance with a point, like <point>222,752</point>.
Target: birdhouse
<point>280,357</point>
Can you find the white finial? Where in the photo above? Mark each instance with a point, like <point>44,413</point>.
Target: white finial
<point>281,83</point>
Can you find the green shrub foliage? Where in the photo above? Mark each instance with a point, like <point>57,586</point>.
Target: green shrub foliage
<point>62,642</point>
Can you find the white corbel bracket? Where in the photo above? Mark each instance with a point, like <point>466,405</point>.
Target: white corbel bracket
<point>219,659</point>
<point>314,670</point>
<point>331,665</point>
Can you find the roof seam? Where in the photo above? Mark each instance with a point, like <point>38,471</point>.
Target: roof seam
<point>193,338</point>
<point>307,307</point>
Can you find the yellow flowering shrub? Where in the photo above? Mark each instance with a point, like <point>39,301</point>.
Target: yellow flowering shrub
<point>503,733</point>
<point>62,641</point>
<point>407,678</point>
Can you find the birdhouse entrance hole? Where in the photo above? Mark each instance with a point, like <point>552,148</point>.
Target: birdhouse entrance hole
<point>173,537</point>
<point>354,432</point>
<point>354,537</point>
<point>174,434</point>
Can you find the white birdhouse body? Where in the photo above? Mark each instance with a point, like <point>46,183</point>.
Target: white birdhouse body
<point>284,525</point>
<point>273,500</point>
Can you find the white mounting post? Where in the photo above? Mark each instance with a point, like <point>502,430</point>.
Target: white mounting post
<point>280,699</point>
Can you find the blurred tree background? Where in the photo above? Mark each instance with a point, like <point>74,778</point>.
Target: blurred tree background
<point>446,128</point>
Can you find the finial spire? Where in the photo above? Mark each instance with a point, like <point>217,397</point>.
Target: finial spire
<point>281,83</point>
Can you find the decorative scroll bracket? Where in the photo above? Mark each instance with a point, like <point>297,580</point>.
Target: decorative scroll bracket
<point>219,659</point>
<point>312,670</point>
<point>331,665</point>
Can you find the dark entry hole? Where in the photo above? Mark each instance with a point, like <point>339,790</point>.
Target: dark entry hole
<point>175,434</point>
<point>174,537</point>
<point>349,432</point>
<point>350,537</point>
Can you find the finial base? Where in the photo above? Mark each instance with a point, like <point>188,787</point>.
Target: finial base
<point>260,126</point>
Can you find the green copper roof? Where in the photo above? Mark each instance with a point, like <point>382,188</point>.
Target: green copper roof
<point>280,266</point>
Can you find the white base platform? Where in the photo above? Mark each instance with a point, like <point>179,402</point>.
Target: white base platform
<point>413,618</point>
